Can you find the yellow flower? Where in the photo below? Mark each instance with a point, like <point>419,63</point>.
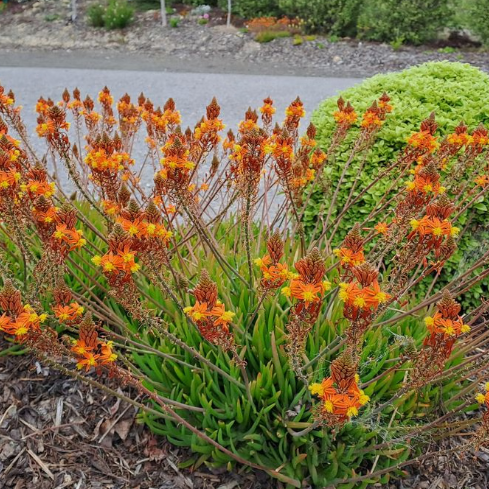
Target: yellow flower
<point>454,231</point>
<point>96,260</point>
<point>363,399</point>
<point>480,398</point>
<point>328,406</point>
<point>414,224</point>
<point>316,389</point>
<point>352,411</point>
<point>465,328</point>
<point>429,321</point>
<point>286,291</point>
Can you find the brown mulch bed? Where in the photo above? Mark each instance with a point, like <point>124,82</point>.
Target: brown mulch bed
<point>56,432</point>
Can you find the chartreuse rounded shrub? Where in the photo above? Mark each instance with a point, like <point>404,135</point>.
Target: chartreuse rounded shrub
<point>454,92</point>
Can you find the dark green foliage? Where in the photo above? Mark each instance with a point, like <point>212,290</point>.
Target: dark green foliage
<point>95,14</point>
<point>337,17</point>
<point>455,92</point>
<point>477,18</point>
<point>413,21</point>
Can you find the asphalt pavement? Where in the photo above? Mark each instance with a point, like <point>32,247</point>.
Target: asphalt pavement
<point>191,91</point>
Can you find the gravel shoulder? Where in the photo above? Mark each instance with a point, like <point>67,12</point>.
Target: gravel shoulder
<point>27,38</point>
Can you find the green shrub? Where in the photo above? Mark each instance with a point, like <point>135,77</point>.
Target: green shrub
<point>96,13</point>
<point>477,18</point>
<point>174,22</point>
<point>414,21</point>
<point>337,17</point>
<point>250,9</point>
<point>116,15</point>
<point>455,91</point>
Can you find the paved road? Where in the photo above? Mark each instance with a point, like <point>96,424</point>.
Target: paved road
<point>191,91</point>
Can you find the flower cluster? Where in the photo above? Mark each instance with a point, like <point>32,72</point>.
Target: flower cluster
<point>210,314</point>
<point>434,231</point>
<point>89,350</point>
<point>363,295</point>
<point>119,263</point>
<point>275,274</point>
<point>444,327</point>
<point>351,253</point>
<point>17,319</point>
<point>340,396</point>
<point>159,122</point>
<point>424,141</point>
<point>308,290</point>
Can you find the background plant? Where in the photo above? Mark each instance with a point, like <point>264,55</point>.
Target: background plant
<point>117,14</point>
<point>224,322</point>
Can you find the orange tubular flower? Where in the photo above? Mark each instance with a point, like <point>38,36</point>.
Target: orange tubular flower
<point>308,293</point>
<point>374,296</point>
<point>349,258</point>
<point>382,228</point>
<point>423,141</point>
<point>68,313</point>
<point>198,311</point>
<point>482,180</point>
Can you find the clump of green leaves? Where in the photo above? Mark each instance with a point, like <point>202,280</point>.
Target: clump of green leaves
<point>117,14</point>
<point>174,22</point>
<point>268,36</point>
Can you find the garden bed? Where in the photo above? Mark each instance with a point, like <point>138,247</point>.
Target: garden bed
<point>58,432</point>
<point>45,26</point>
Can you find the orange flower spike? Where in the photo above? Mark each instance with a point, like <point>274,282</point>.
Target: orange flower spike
<point>267,110</point>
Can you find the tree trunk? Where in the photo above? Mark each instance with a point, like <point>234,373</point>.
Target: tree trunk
<point>73,11</point>
<point>229,14</point>
<point>163,13</point>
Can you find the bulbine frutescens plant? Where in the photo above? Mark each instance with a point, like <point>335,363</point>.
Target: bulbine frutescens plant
<point>247,342</point>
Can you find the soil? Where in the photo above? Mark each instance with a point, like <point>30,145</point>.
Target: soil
<point>44,26</point>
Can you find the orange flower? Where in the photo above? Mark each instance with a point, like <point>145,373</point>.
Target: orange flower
<point>305,292</point>
<point>382,228</point>
<point>68,313</point>
<point>374,296</point>
<point>348,257</point>
<point>88,361</point>
<point>482,180</point>
<point>423,140</point>
<point>198,311</point>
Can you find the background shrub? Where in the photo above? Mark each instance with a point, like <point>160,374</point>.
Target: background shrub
<point>413,21</point>
<point>455,92</point>
<point>477,18</point>
<point>336,17</point>
<point>116,15</point>
<point>96,13</point>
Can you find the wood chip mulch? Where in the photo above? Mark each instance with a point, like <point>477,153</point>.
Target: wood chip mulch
<point>56,433</point>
